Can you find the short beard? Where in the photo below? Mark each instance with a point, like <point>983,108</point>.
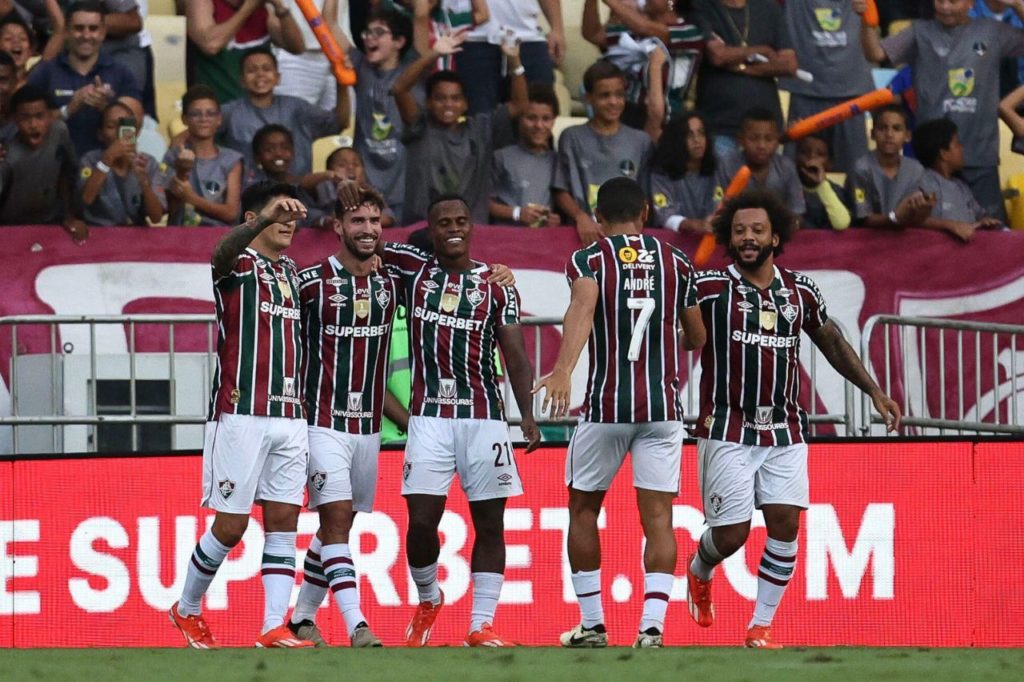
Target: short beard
<point>762,256</point>
<point>353,248</point>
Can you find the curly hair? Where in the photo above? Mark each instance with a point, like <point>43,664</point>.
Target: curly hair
<point>782,220</point>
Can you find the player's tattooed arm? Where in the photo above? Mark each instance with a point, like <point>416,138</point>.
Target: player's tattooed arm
<point>520,375</point>
<point>279,210</point>
<point>841,355</point>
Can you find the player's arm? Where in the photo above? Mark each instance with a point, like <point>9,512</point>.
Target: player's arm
<point>520,375</point>
<point>576,327</point>
<point>841,355</point>
<point>396,412</point>
<point>280,210</point>
<point>692,326</point>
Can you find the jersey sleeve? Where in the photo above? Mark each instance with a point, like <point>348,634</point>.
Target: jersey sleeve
<point>815,313</point>
<point>579,265</point>
<point>309,281</point>
<point>687,277</point>
<point>506,305</point>
<point>244,267</point>
<point>403,260</point>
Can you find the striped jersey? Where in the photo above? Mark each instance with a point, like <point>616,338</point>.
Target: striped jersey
<point>259,352</point>
<point>634,344</point>
<point>346,324</point>
<point>453,324</point>
<point>750,365</point>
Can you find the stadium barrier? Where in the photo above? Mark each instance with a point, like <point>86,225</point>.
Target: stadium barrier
<point>904,544</point>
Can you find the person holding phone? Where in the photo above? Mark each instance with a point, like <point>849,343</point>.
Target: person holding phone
<point>117,184</point>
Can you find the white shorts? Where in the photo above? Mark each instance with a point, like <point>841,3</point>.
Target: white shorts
<point>479,450</point>
<point>342,466</point>
<point>735,478</point>
<point>250,459</point>
<point>596,452</point>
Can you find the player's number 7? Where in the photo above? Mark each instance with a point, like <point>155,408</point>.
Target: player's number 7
<point>646,308</point>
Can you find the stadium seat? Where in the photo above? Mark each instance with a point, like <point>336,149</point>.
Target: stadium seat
<point>566,105</point>
<point>160,7</point>
<point>898,26</point>
<point>579,54</point>
<point>563,122</point>
<point>168,107</point>
<point>168,47</point>
<point>323,147</point>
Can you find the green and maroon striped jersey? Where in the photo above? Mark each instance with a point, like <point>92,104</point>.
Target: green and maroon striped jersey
<point>346,325</point>
<point>453,324</point>
<point>259,354</point>
<point>644,284</point>
<point>750,364</point>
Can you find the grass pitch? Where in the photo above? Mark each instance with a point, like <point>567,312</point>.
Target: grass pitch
<point>527,664</point>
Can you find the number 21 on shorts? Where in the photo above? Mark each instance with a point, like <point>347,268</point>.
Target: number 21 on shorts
<point>646,308</point>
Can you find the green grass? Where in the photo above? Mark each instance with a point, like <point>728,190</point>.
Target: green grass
<point>527,664</point>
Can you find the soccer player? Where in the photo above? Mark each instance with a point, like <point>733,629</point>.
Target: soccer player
<point>256,444</point>
<point>630,293</point>
<point>458,422</point>
<point>751,428</point>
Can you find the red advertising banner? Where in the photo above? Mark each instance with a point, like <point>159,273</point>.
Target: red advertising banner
<point>904,544</point>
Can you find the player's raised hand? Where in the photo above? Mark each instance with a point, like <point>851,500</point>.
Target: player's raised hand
<point>283,210</point>
<point>501,275</point>
<point>531,432</point>
<point>349,194</point>
<point>557,388</point>
<point>889,410</point>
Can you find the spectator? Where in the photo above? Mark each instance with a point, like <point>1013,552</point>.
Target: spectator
<point>825,36</point>
<point>448,151</point>
<point>118,184</point>
<point>749,48</point>
<point>882,178</point>
<point>308,75</point>
<point>44,19</point>
<point>16,40</point>
<point>38,170</point>
<point>956,211</point>
<point>598,150</point>
<point>522,173</point>
<point>221,32</point>
<point>1011,71</point>
<point>149,139</point>
<point>8,84</point>
<point>273,152</point>
<point>683,177</point>
<point>758,146</point>
<point>826,205</point>
<point>81,80</point>
<point>345,163</point>
<point>480,64</point>
<point>203,182</point>
<point>260,106</point>
<point>955,64</point>
<point>123,44</point>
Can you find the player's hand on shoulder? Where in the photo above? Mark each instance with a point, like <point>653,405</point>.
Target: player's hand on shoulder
<point>531,432</point>
<point>284,210</point>
<point>557,387</point>
<point>501,275</point>
<point>348,194</point>
<point>589,231</point>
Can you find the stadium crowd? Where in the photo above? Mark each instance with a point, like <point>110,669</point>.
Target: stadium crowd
<point>463,96</point>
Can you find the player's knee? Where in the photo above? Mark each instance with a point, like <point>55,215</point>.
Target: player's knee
<point>422,524</point>
<point>229,528</point>
<point>335,523</point>
<point>728,539</point>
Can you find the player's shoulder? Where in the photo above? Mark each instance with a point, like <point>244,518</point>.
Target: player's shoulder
<point>710,283</point>
<point>800,279</point>
<point>313,272</point>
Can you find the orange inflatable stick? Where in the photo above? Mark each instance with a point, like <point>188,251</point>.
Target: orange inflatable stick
<point>343,74</point>
<point>870,16</point>
<point>707,242</point>
<point>839,113</point>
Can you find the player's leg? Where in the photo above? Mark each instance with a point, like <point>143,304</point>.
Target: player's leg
<point>487,569</point>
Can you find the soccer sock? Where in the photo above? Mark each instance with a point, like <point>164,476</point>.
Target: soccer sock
<point>207,557</point>
<point>587,585</point>
<point>657,587</point>
<point>341,575</point>
<point>486,590</point>
<point>314,585</point>
<point>426,583</point>
<point>777,564</point>
<point>278,573</point>
<point>706,557</point>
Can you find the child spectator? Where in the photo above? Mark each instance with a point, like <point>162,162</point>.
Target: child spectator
<point>449,152</point>
<point>826,206</point>
<point>273,152</point>
<point>37,172</point>
<point>260,106</point>
<point>758,141</point>
<point>598,150</point>
<point>522,173</point>
<point>344,163</point>
<point>203,182</point>
<point>116,183</point>
<point>683,177</point>
<point>938,148</point>
<point>16,40</point>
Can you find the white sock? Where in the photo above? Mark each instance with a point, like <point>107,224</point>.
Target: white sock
<point>426,583</point>
<point>341,576</point>
<point>207,557</point>
<point>773,575</point>
<point>278,572</point>
<point>706,558</point>
<point>314,585</point>
<point>486,591</point>
<point>587,585</point>
<point>657,587</point>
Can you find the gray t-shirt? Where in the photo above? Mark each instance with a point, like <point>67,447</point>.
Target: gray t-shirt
<point>691,196</point>
<point>871,191</point>
<point>120,199</point>
<point>30,178</point>
<point>956,76</point>
<point>954,200</point>
<point>306,121</point>
<point>209,179</point>
<point>520,177</point>
<point>127,50</point>
<point>782,179</point>
<point>587,159</point>
<point>379,127</point>
<point>826,37</point>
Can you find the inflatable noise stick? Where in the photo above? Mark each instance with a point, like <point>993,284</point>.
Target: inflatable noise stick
<point>707,242</point>
<point>343,74</point>
<point>870,16</point>
<point>839,113</point>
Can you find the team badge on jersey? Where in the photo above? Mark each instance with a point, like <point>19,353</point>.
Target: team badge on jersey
<point>355,401</point>
<point>789,311</point>
<point>362,308</point>
<point>383,297</point>
<point>226,488</point>
<point>406,470</point>
<point>961,82</point>
<point>829,18</point>
<point>716,502</point>
<point>768,319</point>
<point>318,480</point>
<point>449,302</point>
<point>475,296</point>
<point>447,388</point>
